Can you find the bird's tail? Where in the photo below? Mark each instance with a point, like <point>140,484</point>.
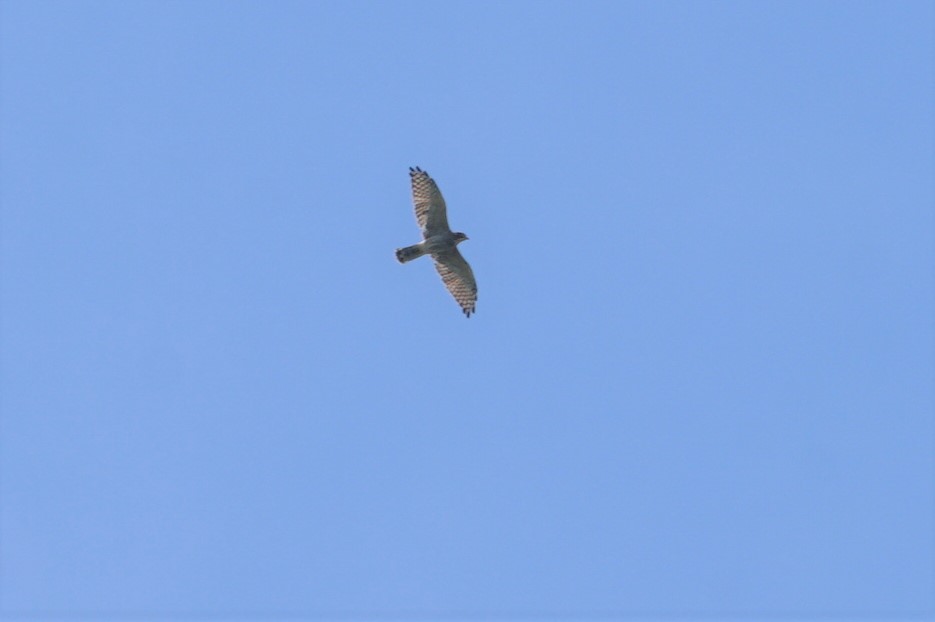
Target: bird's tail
<point>409,253</point>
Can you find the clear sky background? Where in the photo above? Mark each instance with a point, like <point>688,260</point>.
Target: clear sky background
<point>700,377</point>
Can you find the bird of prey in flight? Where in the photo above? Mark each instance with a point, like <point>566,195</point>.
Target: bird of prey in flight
<point>439,241</point>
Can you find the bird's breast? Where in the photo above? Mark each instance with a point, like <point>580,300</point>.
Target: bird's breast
<point>438,243</point>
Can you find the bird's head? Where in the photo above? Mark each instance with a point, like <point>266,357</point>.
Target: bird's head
<point>460,237</point>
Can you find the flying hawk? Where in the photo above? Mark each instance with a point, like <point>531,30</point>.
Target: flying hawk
<point>439,241</point>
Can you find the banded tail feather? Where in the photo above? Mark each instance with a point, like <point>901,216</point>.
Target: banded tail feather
<point>409,253</point>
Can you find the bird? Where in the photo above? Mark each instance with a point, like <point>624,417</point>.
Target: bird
<point>439,241</point>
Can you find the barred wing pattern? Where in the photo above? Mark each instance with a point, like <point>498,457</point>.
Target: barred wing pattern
<point>458,278</point>
<point>431,213</point>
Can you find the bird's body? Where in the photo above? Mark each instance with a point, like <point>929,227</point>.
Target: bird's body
<point>439,241</point>
<point>429,246</point>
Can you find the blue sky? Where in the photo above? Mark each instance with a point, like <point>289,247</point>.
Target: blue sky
<point>699,381</point>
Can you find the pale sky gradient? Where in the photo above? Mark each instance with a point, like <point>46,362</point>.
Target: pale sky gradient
<point>699,382</point>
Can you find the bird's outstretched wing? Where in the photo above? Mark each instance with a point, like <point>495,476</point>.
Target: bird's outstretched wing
<point>431,213</point>
<point>458,278</point>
